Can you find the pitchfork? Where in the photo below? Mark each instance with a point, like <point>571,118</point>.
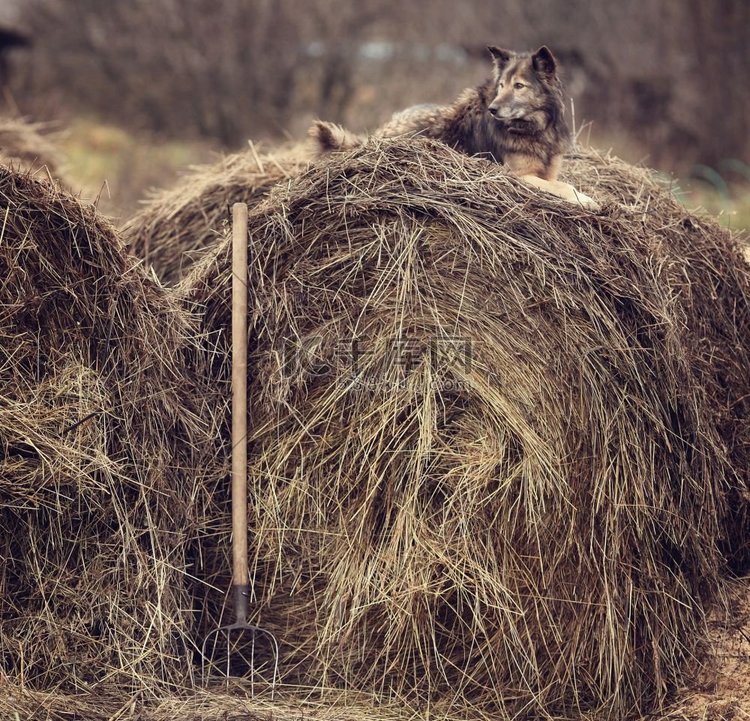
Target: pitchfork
<point>240,578</point>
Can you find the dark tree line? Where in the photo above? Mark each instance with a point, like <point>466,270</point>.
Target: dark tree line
<point>671,76</point>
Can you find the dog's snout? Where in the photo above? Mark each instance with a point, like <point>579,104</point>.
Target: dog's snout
<point>493,110</point>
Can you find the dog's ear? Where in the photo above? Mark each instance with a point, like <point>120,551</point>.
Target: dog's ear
<point>500,56</point>
<point>544,61</point>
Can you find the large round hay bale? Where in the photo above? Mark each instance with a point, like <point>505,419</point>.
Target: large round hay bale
<point>175,225</point>
<point>491,433</point>
<point>99,433</point>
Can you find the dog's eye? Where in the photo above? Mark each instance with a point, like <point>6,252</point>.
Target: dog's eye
<point>519,86</point>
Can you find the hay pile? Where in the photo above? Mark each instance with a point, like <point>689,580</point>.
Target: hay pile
<point>101,486</point>
<point>498,451</point>
<point>25,147</point>
<point>176,225</point>
<point>492,435</point>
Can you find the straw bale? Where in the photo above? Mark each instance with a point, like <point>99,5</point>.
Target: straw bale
<point>175,225</point>
<point>493,435</point>
<point>99,434</point>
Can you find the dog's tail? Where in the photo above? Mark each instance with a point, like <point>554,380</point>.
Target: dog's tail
<point>329,137</point>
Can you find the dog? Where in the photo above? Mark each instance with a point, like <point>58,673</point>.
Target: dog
<point>515,117</point>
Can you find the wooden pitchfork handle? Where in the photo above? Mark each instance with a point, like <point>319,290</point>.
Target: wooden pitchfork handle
<point>240,582</point>
<point>240,575</point>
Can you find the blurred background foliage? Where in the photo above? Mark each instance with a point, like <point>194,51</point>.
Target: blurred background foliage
<point>147,86</point>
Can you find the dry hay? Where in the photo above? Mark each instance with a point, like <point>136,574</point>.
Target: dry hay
<point>175,225</point>
<point>717,317</point>
<point>492,434</point>
<point>100,486</point>
<point>212,704</point>
<point>534,528</point>
<point>26,147</point>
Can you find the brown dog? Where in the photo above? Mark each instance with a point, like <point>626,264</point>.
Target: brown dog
<point>515,117</point>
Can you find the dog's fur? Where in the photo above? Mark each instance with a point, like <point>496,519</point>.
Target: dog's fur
<point>515,117</point>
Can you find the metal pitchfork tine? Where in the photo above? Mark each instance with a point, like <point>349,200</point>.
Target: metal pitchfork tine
<point>240,576</point>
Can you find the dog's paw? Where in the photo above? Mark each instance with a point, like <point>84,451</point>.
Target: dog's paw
<point>562,190</point>
<point>569,193</point>
<point>583,200</point>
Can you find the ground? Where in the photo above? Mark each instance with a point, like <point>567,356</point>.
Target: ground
<point>722,688</point>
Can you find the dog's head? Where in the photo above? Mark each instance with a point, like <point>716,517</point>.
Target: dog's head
<point>528,94</point>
